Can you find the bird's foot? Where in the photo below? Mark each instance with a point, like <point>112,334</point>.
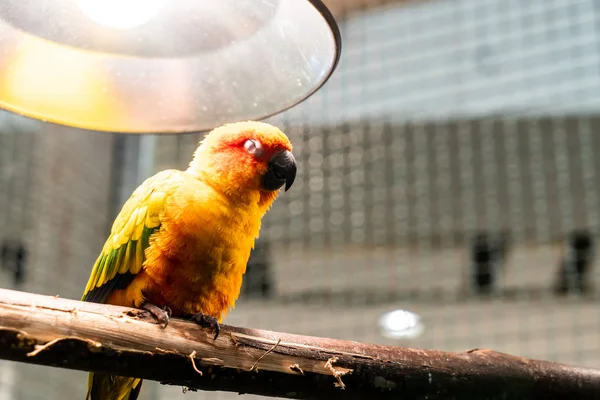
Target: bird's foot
<point>206,321</point>
<point>162,315</point>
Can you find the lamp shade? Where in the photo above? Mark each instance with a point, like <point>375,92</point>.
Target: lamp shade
<point>162,66</point>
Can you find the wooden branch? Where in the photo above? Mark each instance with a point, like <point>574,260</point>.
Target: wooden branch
<point>94,337</point>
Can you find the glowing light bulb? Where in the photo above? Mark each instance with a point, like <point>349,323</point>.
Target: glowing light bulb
<point>401,324</point>
<point>121,14</point>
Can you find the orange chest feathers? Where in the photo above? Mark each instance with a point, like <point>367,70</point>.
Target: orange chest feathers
<point>196,261</point>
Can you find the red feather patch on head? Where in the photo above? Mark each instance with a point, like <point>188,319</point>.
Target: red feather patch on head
<point>236,134</point>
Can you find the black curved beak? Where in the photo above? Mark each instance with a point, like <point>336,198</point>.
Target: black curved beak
<point>281,170</point>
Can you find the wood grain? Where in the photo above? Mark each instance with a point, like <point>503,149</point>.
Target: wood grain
<point>94,337</point>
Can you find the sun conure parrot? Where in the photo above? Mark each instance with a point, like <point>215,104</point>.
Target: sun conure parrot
<point>181,242</point>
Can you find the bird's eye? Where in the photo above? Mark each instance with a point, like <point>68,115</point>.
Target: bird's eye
<point>253,147</point>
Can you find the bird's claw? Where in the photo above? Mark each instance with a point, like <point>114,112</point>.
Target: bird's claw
<point>207,321</point>
<point>162,315</point>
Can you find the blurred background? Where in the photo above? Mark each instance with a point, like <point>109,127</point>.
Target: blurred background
<point>448,169</point>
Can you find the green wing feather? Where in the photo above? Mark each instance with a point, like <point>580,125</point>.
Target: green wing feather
<point>123,254</point>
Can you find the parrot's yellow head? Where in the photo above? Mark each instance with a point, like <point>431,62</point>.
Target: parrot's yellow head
<point>246,157</point>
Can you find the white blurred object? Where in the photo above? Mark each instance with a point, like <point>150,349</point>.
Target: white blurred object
<point>401,324</point>
<point>121,14</point>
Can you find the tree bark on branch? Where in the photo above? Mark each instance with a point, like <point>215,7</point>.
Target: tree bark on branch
<point>95,337</point>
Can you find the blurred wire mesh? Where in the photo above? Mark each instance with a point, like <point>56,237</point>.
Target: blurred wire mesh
<point>448,169</point>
